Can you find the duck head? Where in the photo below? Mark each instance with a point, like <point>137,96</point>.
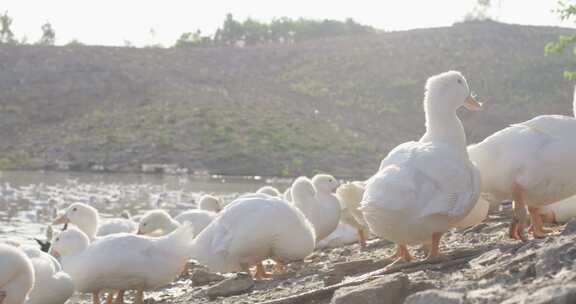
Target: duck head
<point>69,241</point>
<point>325,183</point>
<point>209,203</point>
<point>81,215</point>
<point>450,91</point>
<point>156,222</point>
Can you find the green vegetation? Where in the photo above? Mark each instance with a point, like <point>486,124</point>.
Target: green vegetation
<point>48,35</point>
<point>6,34</point>
<point>566,11</point>
<point>282,30</point>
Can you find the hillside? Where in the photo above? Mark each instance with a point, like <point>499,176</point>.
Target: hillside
<point>336,105</point>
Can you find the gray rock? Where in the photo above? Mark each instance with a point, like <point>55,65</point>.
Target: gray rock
<point>236,285</point>
<point>555,294</point>
<point>570,227</point>
<point>390,289</point>
<point>555,257</point>
<point>201,277</point>
<point>435,296</point>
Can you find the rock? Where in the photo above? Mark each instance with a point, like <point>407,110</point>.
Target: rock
<point>201,277</point>
<point>351,267</point>
<point>570,227</point>
<point>555,257</point>
<point>435,296</point>
<point>236,285</point>
<point>389,289</point>
<point>555,294</point>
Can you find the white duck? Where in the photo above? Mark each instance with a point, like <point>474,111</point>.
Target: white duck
<point>316,200</point>
<point>52,285</point>
<point>159,222</point>
<point>122,261</point>
<point>559,212</point>
<point>350,195</point>
<point>272,191</point>
<point>87,219</point>
<point>210,203</point>
<point>424,188</point>
<point>250,230</point>
<point>16,275</point>
<point>532,164</point>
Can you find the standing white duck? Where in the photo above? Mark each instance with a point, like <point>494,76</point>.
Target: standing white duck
<point>16,275</point>
<point>159,222</point>
<point>87,219</point>
<point>52,285</point>
<point>424,188</point>
<point>122,261</point>
<point>250,230</point>
<point>531,163</point>
<point>350,195</point>
<point>316,200</point>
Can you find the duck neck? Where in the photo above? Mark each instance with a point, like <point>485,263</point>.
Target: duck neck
<point>443,125</point>
<point>90,227</point>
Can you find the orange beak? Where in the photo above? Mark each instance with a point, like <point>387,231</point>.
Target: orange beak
<point>471,104</point>
<point>62,219</point>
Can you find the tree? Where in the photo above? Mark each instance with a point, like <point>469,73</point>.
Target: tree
<point>48,35</point>
<point>6,34</point>
<point>283,30</point>
<point>480,11</point>
<point>566,12</point>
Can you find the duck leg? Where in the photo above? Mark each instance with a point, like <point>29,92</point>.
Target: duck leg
<point>110,297</point>
<point>279,267</point>
<point>2,296</point>
<point>362,238</point>
<point>139,297</point>
<point>519,219</point>
<point>120,297</point>
<point>261,273</point>
<point>434,246</point>
<point>538,229</point>
<point>402,253</point>
<point>96,297</point>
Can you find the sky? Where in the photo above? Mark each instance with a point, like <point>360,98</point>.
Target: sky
<point>144,22</point>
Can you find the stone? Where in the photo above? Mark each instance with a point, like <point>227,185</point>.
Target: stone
<point>555,294</point>
<point>570,227</point>
<point>435,296</point>
<point>390,289</point>
<point>558,294</point>
<point>201,277</point>
<point>238,284</point>
<point>554,257</point>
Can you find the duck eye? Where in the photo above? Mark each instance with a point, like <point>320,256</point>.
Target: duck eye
<point>459,81</point>
<point>57,239</point>
<point>74,209</point>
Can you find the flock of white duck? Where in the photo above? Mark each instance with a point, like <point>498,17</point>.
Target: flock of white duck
<point>421,190</point>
